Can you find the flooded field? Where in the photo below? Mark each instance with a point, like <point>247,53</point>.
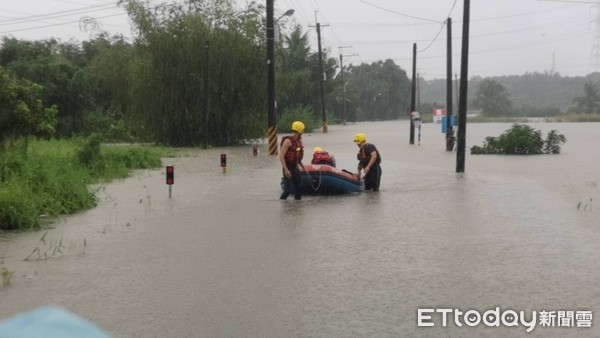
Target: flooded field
<point>224,257</point>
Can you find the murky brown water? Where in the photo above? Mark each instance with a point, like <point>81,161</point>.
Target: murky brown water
<point>225,257</point>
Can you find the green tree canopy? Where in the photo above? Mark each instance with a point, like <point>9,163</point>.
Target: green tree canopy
<point>22,111</point>
<point>376,91</point>
<point>590,102</point>
<point>492,98</point>
<point>169,72</point>
<point>299,75</point>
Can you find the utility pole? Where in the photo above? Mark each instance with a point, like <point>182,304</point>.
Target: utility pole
<point>462,100</point>
<point>206,102</point>
<point>456,86</point>
<point>413,94</point>
<point>450,129</point>
<point>418,106</point>
<point>272,127</point>
<point>322,80</point>
<point>341,48</point>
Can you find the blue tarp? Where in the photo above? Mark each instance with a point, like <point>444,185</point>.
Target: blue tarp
<point>49,322</point>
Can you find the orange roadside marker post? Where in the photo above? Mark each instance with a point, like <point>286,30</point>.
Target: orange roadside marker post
<point>170,178</point>
<point>224,162</point>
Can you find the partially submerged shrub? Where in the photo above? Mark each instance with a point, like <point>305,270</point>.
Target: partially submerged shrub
<point>553,142</point>
<point>521,139</point>
<point>6,276</point>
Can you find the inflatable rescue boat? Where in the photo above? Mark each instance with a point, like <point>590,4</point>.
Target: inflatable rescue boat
<point>322,179</point>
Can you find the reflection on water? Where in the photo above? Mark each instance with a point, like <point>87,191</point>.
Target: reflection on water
<point>225,257</point>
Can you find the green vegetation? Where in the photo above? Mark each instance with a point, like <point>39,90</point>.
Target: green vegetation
<point>22,111</point>
<point>53,177</point>
<point>6,276</point>
<point>301,114</point>
<point>590,102</point>
<point>530,94</point>
<point>374,92</point>
<point>521,139</point>
<point>485,119</point>
<point>194,71</point>
<point>493,99</point>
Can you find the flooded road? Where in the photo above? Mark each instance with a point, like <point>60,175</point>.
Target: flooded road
<point>224,257</point>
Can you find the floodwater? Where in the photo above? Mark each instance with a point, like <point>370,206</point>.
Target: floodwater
<point>224,257</point>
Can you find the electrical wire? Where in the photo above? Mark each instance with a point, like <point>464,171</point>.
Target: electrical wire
<point>301,11</point>
<point>581,2</point>
<point>57,24</point>
<point>398,13</point>
<point>509,47</point>
<point>58,14</point>
<point>441,28</point>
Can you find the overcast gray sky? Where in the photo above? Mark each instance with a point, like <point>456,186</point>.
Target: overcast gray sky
<point>507,37</point>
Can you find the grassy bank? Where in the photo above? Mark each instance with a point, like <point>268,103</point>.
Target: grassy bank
<point>578,118</point>
<point>560,118</point>
<point>51,178</point>
<point>485,119</point>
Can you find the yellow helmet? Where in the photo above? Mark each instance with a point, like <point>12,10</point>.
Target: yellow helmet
<point>360,138</point>
<point>317,150</point>
<point>298,127</point>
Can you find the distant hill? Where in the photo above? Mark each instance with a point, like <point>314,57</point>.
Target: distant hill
<point>531,89</point>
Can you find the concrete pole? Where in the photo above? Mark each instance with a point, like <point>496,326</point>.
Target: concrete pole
<point>321,80</point>
<point>462,100</point>
<point>413,94</point>
<point>450,130</point>
<point>272,127</point>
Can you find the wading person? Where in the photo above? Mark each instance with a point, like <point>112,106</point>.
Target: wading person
<point>290,156</point>
<point>368,161</point>
<point>321,156</point>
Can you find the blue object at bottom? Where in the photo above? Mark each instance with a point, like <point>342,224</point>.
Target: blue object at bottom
<point>49,322</point>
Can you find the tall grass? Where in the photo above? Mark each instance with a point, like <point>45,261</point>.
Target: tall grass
<point>53,177</point>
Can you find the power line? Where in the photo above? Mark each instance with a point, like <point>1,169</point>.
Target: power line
<point>521,14</point>
<point>581,2</point>
<point>58,14</point>
<point>395,12</point>
<point>509,48</point>
<point>57,24</point>
<point>476,36</point>
<point>442,28</point>
<point>301,10</point>
<point>394,24</point>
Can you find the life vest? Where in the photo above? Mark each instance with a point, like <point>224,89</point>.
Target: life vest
<point>322,157</point>
<point>364,157</point>
<point>295,152</point>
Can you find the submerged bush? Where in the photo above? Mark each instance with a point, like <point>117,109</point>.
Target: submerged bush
<point>553,142</point>
<point>521,139</point>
